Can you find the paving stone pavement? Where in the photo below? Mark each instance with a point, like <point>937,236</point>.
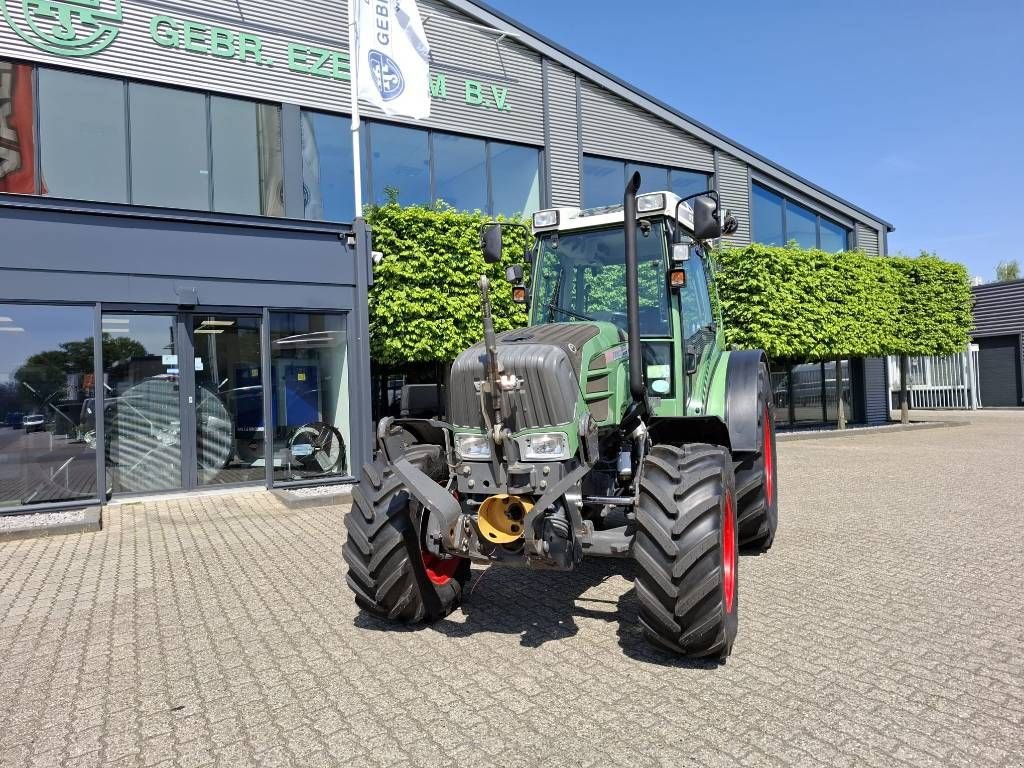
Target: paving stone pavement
<point>884,628</point>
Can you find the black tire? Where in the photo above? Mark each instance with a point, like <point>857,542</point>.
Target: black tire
<point>383,550</point>
<point>686,550</point>
<point>757,502</point>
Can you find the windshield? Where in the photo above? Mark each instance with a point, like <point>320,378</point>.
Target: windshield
<point>582,276</point>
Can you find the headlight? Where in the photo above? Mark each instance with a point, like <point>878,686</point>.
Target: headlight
<point>649,203</point>
<point>544,219</point>
<point>548,446</point>
<point>471,447</point>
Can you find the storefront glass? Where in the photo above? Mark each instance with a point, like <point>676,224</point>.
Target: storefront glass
<point>310,403</point>
<point>460,172</point>
<point>142,413</point>
<point>229,396</point>
<point>515,179</point>
<point>400,164</point>
<point>17,129</point>
<point>47,380</point>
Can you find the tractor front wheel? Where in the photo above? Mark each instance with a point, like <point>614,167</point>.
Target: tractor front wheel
<point>686,550</point>
<point>389,570</point>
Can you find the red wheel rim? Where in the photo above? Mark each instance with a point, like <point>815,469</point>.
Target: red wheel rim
<point>769,459</point>
<point>439,570</point>
<point>729,554</point>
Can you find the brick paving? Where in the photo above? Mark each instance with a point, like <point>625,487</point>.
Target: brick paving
<point>884,628</point>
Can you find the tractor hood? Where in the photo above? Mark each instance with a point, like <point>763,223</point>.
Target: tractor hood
<point>550,360</point>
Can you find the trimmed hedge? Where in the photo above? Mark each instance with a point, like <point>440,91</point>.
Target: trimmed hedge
<point>425,303</point>
<point>813,305</point>
<point>795,304</point>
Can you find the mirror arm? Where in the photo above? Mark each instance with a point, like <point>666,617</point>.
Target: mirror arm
<point>710,193</point>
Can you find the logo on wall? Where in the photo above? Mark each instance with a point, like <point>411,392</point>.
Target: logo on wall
<point>386,75</point>
<point>65,27</point>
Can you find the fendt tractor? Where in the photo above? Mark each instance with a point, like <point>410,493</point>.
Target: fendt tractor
<point>615,424</point>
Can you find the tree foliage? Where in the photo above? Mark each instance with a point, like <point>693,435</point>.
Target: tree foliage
<point>1008,270</point>
<point>814,305</point>
<point>425,303</point>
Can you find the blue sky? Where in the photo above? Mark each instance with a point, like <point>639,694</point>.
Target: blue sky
<point>913,110</point>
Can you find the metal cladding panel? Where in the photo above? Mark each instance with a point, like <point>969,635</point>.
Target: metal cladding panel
<point>734,189</point>
<point>615,128</point>
<point>998,308</point>
<point>563,135</point>
<point>506,71</point>
<point>876,391</point>
<point>867,240</point>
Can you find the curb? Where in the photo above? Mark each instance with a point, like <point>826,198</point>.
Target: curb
<point>292,500</point>
<point>783,437</point>
<point>36,526</point>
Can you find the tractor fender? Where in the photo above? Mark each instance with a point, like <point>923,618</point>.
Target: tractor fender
<point>742,408</point>
<point>445,512</point>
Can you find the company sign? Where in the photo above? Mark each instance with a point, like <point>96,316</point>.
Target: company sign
<point>83,28</point>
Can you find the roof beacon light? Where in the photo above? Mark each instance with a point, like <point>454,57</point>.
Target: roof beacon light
<point>652,203</point>
<point>545,219</point>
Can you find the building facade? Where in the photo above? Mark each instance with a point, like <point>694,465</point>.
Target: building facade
<point>182,289</point>
<point>999,335</point>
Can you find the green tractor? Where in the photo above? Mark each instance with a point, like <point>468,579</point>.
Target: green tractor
<point>615,424</point>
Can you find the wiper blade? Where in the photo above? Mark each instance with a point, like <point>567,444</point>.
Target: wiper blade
<point>568,312</point>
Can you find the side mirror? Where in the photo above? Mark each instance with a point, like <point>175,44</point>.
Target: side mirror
<point>514,274</point>
<point>490,242</point>
<point>705,219</point>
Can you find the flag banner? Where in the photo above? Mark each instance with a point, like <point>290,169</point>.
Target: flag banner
<point>393,58</point>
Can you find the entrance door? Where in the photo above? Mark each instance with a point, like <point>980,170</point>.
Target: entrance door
<point>228,384</point>
<point>999,371</point>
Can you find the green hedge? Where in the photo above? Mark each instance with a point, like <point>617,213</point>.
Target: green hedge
<point>795,304</point>
<point>425,304</point>
<point>813,305</point>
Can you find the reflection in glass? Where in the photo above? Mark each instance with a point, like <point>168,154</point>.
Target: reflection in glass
<point>400,164</point>
<point>142,414</point>
<point>686,183</point>
<point>236,156</point>
<point>603,181</point>
<point>46,380</point>
<point>780,395</point>
<point>831,403</point>
<point>17,138</point>
<point>460,172</point>
<point>310,395</point>
<point>767,217</point>
<point>169,152</point>
<point>801,225</point>
<point>653,178</point>
<point>515,179</point>
<point>82,136</point>
<point>833,236</point>
<point>327,167</point>
<point>807,393</point>
<point>229,388</point>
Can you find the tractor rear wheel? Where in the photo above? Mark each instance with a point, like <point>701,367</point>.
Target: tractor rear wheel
<point>686,550</point>
<point>757,504</point>
<point>389,570</point>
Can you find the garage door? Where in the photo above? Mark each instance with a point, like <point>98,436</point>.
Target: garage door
<point>999,371</point>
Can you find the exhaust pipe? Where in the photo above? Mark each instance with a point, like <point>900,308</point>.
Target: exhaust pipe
<point>636,366</point>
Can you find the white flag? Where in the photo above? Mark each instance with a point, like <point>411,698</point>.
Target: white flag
<point>393,58</point>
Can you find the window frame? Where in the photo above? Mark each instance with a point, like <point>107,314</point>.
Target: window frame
<point>787,201</point>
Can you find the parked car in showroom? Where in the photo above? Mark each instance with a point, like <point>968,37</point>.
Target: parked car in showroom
<point>33,423</point>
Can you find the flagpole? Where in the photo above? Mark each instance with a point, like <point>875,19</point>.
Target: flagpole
<point>353,63</point>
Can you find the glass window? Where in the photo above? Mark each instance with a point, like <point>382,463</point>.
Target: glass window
<point>833,236</point>
<point>142,414</point>
<point>652,178</point>
<point>169,153</point>
<point>82,136</point>
<point>229,393</point>
<point>327,167</point>
<point>460,172</point>
<point>236,167</point>
<point>271,157</point>
<point>767,217</point>
<point>310,395</point>
<point>685,183</point>
<point>603,181</point>
<point>400,164</point>
<point>801,225</point>
<point>808,391</point>
<point>47,380</point>
<point>515,179</point>
<point>17,131</point>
